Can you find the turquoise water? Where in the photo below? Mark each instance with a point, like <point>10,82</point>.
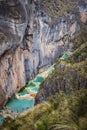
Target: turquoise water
<point>65,56</point>
<point>32,86</point>
<point>19,105</point>
<point>34,89</point>
<point>22,92</point>
<point>38,79</point>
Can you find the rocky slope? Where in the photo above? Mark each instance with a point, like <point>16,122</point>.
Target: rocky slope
<point>69,75</point>
<point>33,34</point>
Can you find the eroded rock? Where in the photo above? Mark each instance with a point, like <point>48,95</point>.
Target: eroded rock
<point>25,52</point>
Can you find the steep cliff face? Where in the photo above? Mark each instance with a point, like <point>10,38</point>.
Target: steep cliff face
<point>12,24</point>
<point>25,50</point>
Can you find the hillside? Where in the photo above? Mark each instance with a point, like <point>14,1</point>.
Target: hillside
<point>69,75</point>
<point>62,97</point>
<point>60,112</point>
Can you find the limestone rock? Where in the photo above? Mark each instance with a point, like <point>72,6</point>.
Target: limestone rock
<point>30,40</point>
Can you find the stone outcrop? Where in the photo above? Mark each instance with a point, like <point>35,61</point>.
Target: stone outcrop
<point>30,40</point>
<point>12,24</point>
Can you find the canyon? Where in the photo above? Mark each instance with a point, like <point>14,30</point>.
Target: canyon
<point>33,39</point>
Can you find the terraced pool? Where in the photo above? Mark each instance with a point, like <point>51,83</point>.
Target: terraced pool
<point>33,87</point>
<point>20,105</point>
<point>38,79</point>
<point>22,92</point>
<point>65,56</point>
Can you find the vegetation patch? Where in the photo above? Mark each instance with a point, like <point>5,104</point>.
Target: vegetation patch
<point>60,112</point>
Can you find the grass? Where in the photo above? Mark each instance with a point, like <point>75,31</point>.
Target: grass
<point>69,75</point>
<point>60,112</point>
<point>80,54</point>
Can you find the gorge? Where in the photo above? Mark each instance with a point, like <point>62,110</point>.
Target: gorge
<point>35,34</point>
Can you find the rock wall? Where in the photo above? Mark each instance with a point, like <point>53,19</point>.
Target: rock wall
<point>30,40</point>
<point>69,75</point>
